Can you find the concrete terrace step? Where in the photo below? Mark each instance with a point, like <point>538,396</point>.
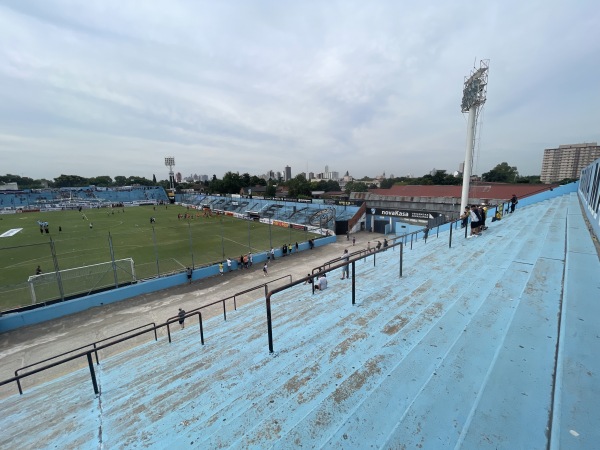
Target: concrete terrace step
<point>279,424</point>
<point>518,389</point>
<point>327,291</point>
<point>31,420</point>
<point>345,376</point>
<point>577,393</point>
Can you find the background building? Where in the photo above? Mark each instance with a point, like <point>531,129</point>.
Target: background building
<point>287,173</point>
<point>567,161</point>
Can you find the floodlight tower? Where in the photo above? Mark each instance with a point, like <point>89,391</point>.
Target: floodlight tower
<point>474,96</point>
<point>170,162</point>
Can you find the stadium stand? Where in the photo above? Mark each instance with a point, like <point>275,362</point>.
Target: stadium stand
<point>85,197</point>
<point>286,211</point>
<point>488,344</point>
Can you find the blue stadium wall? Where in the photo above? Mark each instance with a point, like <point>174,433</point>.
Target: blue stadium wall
<point>589,194</point>
<point>16,320</point>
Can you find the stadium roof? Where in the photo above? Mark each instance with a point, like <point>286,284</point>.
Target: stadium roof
<point>494,191</point>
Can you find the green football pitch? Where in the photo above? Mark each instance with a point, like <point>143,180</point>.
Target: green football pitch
<point>93,236</point>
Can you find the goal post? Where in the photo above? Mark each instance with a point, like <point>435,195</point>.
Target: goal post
<point>81,280</point>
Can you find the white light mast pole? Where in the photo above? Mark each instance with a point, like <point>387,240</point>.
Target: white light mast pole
<point>474,96</point>
<point>170,162</point>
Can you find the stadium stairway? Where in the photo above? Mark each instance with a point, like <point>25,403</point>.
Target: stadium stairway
<point>458,353</point>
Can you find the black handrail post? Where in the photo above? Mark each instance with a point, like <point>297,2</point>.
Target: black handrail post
<point>155,335</point>
<point>92,372</point>
<point>450,239</point>
<point>353,284</point>
<point>411,239</point>
<point>201,329</point>
<point>466,228</point>
<point>169,332</point>
<point>224,311</point>
<point>401,253</point>
<point>96,353</point>
<point>234,303</point>
<point>374,255</point>
<point>269,325</point>
<point>19,385</point>
<point>437,232</point>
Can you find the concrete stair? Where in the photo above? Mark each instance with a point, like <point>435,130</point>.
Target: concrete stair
<point>458,353</point>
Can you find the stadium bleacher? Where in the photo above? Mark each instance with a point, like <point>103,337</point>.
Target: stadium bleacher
<point>286,211</point>
<point>89,196</point>
<point>488,344</point>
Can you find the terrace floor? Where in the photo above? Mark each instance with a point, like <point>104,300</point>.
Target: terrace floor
<point>492,343</point>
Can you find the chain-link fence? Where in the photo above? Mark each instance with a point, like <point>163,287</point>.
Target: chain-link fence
<point>82,265</point>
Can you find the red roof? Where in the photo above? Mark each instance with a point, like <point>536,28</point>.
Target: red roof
<point>482,190</point>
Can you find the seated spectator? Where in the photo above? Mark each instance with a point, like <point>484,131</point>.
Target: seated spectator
<point>321,283</point>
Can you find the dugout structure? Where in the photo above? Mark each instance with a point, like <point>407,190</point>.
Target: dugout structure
<point>83,280</point>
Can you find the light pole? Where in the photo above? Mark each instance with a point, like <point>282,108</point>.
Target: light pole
<point>170,162</point>
<point>222,242</point>
<point>191,248</point>
<point>474,97</point>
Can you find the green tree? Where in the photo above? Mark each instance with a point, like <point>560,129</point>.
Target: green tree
<point>120,180</point>
<point>502,173</point>
<point>298,187</point>
<point>102,180</point>
<point>271,190</point>
<point>387,183</point>
<point>71,181</point>
<point>332,185</point>
<point>232,183</point>
<point>22,182</point>
<point>355,186</point>
<point>143,181</point>
<point>245,179</point>
<point>256,181</point>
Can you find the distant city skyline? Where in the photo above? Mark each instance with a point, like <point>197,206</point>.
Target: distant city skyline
<point>112,87</point>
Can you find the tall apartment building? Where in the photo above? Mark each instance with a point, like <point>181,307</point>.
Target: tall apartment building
<point>287,173</point>
<point>567,161</point>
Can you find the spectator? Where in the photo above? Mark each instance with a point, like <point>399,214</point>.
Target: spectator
<point>474,214</point>
<point>345,269</point>
<point>321,283</point>
<point>465,217</point>
<point>181,315</point>
<point>513,203</point>
<point>189,274</point>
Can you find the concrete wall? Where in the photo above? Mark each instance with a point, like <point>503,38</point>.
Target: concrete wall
<point>589,193</point>
<point>16,320</point>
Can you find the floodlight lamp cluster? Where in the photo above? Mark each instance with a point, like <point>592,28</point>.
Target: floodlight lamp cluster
<point>169,161</point>
<point>475,87</point>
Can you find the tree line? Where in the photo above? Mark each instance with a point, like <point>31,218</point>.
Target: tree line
<point>297,187</point>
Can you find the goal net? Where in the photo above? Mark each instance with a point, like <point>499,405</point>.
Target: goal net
<point>81,280</point>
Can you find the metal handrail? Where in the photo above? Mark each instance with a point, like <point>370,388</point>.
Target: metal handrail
<point>223,300</point>
<point>322,270</point>
<point>340,258</point>
<point>93,344</point>
<point>88,353</point>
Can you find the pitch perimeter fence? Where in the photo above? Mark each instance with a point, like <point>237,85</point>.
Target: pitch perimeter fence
<point>73,268</point>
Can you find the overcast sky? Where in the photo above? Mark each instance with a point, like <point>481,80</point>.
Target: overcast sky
<point>112,87</point>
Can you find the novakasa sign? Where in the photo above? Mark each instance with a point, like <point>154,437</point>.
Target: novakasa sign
<point>404,213</point>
